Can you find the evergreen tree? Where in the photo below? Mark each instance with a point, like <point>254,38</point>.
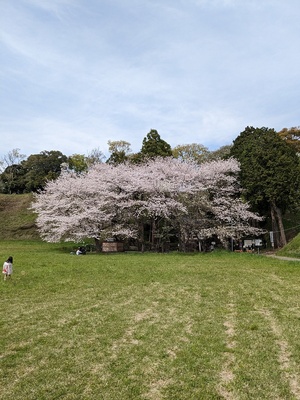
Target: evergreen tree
<point>269,173</point>
<point>154,146</point>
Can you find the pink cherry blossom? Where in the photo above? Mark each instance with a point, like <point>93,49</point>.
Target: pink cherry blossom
<point>197,201</point>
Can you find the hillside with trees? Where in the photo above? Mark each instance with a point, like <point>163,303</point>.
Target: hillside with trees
<point>266,179</point>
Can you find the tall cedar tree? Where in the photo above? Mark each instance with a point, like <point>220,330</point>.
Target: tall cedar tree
<point>154,146</point>
<point>269,174</point>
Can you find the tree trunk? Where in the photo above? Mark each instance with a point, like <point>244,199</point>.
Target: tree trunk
<point>153,235</point>
<point>283,241</point>
<point>141,237</point>
<point>97,245</point>
<point>278,217</point>
<point>199,246</point>
<point>275,227</point>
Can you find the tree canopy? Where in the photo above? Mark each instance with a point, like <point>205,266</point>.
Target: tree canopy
<point>77,163</point>
<point>197,202</point>
<point>119,151</point>
<point>42,167</point>
<point>191,152</point>
<point>13,157</point>
<point>269,173</point>
<point>291,136</point>
<point>154,146</point>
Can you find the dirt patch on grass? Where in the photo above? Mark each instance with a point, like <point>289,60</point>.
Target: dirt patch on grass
<point>156,388</point>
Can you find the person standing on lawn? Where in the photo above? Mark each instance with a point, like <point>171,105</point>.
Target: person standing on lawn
<point>8,268</point>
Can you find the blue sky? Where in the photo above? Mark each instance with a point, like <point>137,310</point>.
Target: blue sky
<point>77,73</point>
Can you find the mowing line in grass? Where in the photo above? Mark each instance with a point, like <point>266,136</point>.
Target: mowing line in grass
<point>227,374</point>
<point>284,354</point>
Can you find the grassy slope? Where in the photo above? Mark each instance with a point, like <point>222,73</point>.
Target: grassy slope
<point>292,249</point>
<point>17,221</point>
<point>148,326</point>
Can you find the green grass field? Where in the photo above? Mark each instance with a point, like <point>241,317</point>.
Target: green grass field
<point>148,326</point>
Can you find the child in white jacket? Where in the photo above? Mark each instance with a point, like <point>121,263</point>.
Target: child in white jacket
<point>8,268</point>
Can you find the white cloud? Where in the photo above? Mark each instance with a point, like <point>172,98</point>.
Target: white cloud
<point>197,71</point>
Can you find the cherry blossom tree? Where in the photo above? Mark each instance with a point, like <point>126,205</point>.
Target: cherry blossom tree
<point>195,201</point>
<point>77,206</point>
<point>215,208</point>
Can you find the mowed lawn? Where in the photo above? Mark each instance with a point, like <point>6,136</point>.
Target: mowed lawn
<point>148,326</point>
